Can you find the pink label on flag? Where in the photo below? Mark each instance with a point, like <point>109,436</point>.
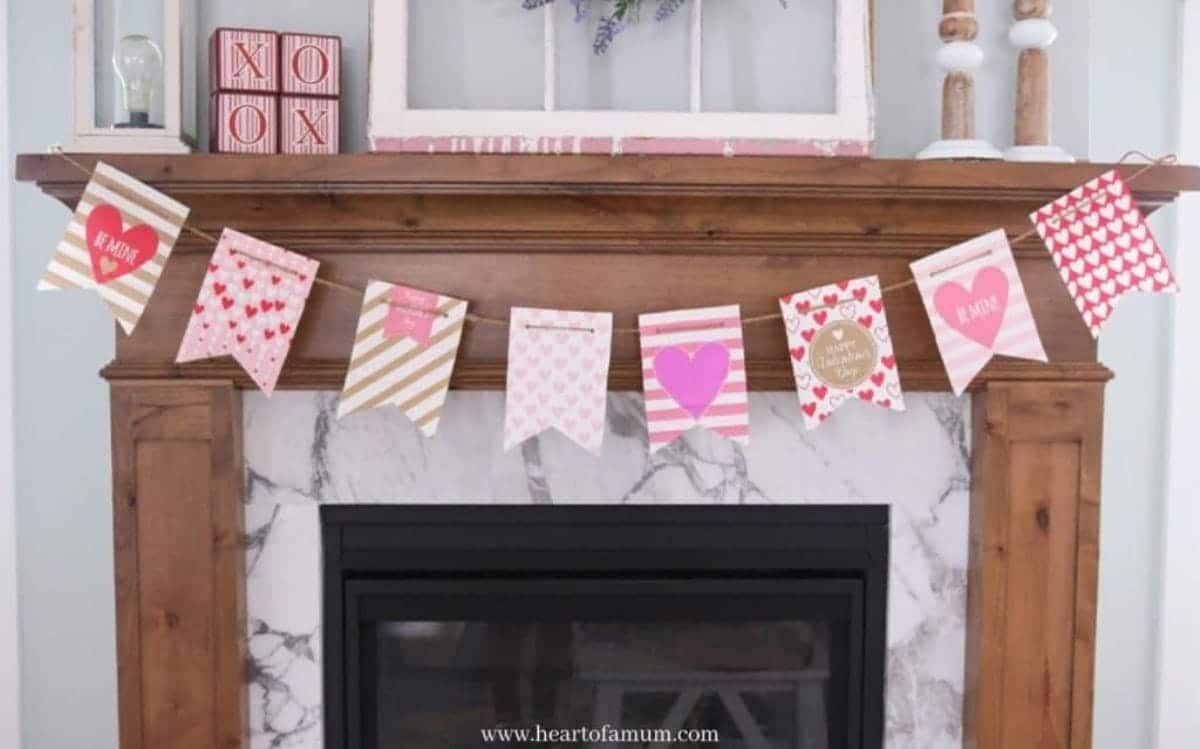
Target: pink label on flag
<point>249,306</point>
<point>841,348</point>
<point>694,369</point>
<point>976,303</point>
<point>557,375</point>
<point>1102,247</point>
<point>411,313</point>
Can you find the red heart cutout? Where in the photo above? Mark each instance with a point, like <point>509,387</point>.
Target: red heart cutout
<point>860,294</point>
<point>116,252</point>
<point>803,307</point>
<point>218,288</point>
<point>877,379</point>
<point>247,283</point>
<point>268,334</point>
<point>867,395</point>
<point>888,361</point>
<point>241,264</point>
<point>265,305</point>
<point>886,402</point>
<point>843,285</point>
<point>241,338</point>
<point>198,309</point>
<point>275,280</point>
<point>808,335</point>
<point>866,321</point>
<point>830,299</point>
<point>820,317</point>
<point>810,409</point>
<point>798,353</point>
<point>213,267</point>
<point>250,310</point>
<point>226,302</point>
<point>820,391</point>
<point>877,305</point>
<point>280,304</point>
<point>232,324</point>
<point>284,328</point>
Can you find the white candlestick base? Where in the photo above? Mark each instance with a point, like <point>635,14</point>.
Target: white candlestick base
<point>1051,154</point>
<point>960,149</point>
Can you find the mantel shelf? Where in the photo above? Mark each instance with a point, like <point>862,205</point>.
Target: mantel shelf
<point>403,174</point>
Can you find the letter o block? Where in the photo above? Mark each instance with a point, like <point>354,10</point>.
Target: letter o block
<point>310,64</point>
<point>244,123</point>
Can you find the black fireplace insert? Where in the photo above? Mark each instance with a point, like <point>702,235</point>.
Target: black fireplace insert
<point>666,626</point>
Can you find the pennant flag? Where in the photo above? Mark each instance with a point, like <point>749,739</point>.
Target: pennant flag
<point>557,375</point>
<point>249,306</point>
<point>976,303</point>
<point>1102,247</point>
<point>841,348</point>
<point>694,369</point>
<point>404,353</point>
<point>117,242</point>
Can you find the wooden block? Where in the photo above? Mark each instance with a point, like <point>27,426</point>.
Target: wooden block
<point>244,60</point>
<point>310,64</point>
<point>244,123</point>
<point>309,124</point>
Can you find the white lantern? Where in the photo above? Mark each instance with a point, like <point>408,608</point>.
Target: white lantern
<point>134,76</point>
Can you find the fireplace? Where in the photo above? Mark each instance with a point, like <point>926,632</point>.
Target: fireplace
<point>465,625</point>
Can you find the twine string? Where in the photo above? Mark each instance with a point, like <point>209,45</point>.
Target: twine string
<point>1152,163</point>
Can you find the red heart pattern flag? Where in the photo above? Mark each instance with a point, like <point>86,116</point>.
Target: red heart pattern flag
<point>117,242</point>
<point>249,306</point>
<point>841,348</point>
<point>557,375</point>
<point>976,303</point>
<point>694,373</point>
<point>1102,247</point>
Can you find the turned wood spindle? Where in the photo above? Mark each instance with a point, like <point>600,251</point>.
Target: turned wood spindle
<point>960,57</point>
<point>1033,34</point>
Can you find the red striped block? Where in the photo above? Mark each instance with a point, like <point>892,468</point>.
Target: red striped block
<point>311,64</point>
<point>308,125</point>
<point>244,60</point>
<point>244,123</point>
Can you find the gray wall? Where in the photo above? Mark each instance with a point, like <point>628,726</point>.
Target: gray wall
<point>64,519</point>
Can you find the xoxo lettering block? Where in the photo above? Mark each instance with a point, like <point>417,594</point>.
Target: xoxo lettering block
<point>308,125</point>
<point>244,60</point>
<point>244,123</point>
<point>310,64</point>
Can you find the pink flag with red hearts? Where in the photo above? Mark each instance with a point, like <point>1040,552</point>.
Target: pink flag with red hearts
<point>1102,247</point>
<point>117,242</point>
<point>694,371</point>
<point>249,306</point>
<point>841,348</point>
<point>557,375</point>
<point>977,306</point>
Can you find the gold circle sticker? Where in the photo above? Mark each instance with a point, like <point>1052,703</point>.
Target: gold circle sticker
<point>843,354</point>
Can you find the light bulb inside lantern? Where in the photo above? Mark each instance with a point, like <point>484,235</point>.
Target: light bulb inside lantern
<point>138,62</point>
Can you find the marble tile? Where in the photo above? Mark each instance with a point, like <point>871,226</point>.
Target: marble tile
<point>298,455</point>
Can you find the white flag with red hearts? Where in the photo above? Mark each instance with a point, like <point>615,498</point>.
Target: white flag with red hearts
<point>1102,247</point>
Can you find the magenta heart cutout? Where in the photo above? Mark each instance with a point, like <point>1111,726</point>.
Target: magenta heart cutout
<point>693,381</point>
<point>979,313</point>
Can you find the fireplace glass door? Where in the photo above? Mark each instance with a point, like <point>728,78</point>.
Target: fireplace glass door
<point>760,664</point>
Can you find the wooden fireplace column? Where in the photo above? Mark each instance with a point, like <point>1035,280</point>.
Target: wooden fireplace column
<point>628,235</point>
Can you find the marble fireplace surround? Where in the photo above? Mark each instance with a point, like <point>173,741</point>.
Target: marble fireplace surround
<point>298,455</point>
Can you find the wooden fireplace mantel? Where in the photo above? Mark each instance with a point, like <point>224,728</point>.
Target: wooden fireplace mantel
<point>629,234</point>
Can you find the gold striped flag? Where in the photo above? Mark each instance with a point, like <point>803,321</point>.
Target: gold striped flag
<point>404,352</point>
<point>117,242</point>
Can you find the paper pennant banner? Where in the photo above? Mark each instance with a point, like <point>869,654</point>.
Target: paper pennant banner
<point>976,303</point>
<point>1102,247</point>
<point>841,348</point>
<point>557,375</point>
<point>249,306</point>
<point>404,353</point>
<point>694,369</point>
<point>117,241</point>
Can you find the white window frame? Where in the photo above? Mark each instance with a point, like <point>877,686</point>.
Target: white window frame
<point>848,131</point>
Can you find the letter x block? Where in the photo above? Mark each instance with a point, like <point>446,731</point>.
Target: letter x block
<point>245,60</point>
<point>308,124</point>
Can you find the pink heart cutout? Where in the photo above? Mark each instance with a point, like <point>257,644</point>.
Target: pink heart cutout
<point>694,381</point>
<point>116,251</point>
<point>979,313</point>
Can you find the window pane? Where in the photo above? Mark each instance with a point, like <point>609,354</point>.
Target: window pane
<point>761,57</point>
<point>645,67</point>
<point>473,54</point>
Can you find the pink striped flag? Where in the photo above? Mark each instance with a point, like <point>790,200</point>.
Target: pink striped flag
<point>694,369</point>
<point>976,303</point>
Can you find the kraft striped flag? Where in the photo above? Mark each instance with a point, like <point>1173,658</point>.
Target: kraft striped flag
<point>976,303</point>
<point>694,370</point>
<point>117,242</point>
<point>404,353</point>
